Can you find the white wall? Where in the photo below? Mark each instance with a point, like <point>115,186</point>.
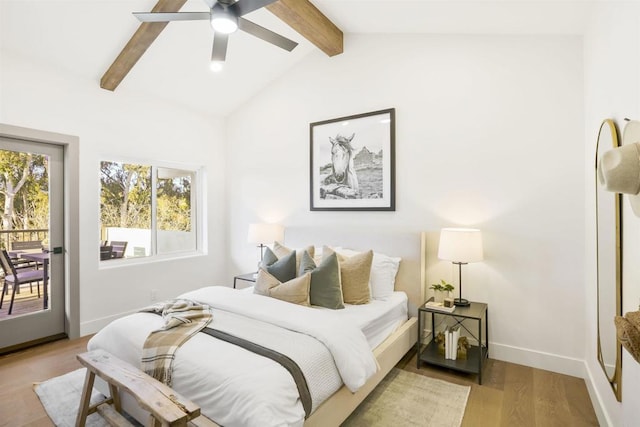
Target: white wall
<point>112,125</point>
<point>612,90</point>
<point>489,134</point>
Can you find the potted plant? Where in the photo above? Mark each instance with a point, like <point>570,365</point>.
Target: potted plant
<point>441,290</point>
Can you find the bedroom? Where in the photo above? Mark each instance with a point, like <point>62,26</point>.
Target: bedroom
<point>496,126</point>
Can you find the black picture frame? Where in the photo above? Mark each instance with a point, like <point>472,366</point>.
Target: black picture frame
<point>352,163</point>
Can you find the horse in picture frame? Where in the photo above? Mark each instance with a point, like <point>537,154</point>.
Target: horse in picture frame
<point>343,181</point>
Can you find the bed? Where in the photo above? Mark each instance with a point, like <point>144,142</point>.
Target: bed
<point>388,328</point>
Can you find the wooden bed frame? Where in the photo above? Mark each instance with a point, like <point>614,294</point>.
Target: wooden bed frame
<point>341,404</point>
<point>410,279</point>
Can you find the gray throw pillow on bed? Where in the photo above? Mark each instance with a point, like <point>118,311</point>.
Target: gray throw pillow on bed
<point>268,258</point>
<point>325,288</point>
<point>283,269</point>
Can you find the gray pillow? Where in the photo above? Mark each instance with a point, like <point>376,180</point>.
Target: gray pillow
<point>283,269</point>
<point>280,250</point>
<point>325,288</point>
<point>268,258</point>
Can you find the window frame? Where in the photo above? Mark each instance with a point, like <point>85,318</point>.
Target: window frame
<point>198,213</point>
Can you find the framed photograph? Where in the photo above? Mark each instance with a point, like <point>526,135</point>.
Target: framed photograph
<point>353,163</point>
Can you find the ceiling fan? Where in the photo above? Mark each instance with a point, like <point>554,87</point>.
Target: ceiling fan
<point>225,17</point>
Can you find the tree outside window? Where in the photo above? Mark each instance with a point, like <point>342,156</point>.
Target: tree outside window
<point>24,196</point>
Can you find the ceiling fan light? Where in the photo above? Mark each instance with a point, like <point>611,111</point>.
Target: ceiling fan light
<point>224,21</point>
<point>216,66</point>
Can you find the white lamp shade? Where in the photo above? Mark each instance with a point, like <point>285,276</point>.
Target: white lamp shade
<point>460,245</point>
<point>261,234</point>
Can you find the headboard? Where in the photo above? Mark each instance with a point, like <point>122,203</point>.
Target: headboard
<point>406,245</point>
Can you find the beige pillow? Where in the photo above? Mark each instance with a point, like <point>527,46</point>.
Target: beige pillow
<point>354,276</point>
<point>281,250</point>
<point>295,291</point>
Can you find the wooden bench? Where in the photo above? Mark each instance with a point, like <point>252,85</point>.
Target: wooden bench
<point>165,406</point>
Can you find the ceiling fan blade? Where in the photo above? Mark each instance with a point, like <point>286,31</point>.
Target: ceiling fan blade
<point>266,35</point>
<point>210,3</point>
<point>175,16</point>
<point>242,7</point>
<point>219,51</point>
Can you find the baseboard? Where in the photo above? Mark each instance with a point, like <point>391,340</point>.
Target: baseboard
<point>604,419</point>
<point>538,359</point>
<point>93,326</point>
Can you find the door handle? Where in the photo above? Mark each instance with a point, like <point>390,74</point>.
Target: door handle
<point>57,250</point>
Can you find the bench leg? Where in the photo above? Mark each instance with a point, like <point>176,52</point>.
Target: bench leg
<point>153,422</point>
<point>83,410</point>
<point>116,397</point>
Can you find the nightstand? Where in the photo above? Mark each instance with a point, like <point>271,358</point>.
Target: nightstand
<point>474,324</point>
<point>247,277</point>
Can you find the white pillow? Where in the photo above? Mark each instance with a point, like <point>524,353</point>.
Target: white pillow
<point>384,268</point>
<point>383,275</point>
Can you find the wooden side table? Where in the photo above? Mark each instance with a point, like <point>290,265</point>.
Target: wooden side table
<point>427,348</point>
<point>247,277</point>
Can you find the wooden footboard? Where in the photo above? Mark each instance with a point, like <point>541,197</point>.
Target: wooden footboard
<point>340,405</point>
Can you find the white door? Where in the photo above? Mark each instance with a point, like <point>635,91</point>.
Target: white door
<point>38,212</point>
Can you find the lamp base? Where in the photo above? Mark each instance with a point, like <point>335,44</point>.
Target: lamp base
<point>461,302</point>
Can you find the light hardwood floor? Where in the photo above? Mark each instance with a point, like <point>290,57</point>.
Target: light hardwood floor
<point>511,395</point>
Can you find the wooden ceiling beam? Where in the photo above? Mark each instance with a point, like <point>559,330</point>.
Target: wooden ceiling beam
<point>306,19</point>
<point>137,45</point>
<point>301,15</point>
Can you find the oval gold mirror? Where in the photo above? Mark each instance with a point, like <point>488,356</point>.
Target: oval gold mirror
<point>608,253</point>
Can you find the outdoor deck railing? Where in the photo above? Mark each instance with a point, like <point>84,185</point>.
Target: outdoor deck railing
<point>22,235</point>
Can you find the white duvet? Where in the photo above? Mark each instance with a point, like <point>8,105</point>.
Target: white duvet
<point>236,387</point>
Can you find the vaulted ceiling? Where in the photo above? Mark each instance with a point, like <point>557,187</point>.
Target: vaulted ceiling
<point>301,15</point>
<point>82,38</point>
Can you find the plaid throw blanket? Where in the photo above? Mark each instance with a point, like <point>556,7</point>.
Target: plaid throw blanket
<point>182,320</point>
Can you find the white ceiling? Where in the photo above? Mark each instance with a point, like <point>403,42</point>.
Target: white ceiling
<point>83,37</point>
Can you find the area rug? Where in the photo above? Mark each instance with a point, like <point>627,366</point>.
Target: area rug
<point>406,399</point>
<point>401,399</point>
<point>60,397</point>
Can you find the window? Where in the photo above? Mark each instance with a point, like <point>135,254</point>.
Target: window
<point>147,210</point>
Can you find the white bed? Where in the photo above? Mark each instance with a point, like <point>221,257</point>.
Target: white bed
<point>384,325</point>
<point>377,320</point>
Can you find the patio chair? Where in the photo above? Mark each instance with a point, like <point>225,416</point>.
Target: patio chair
<point>25,246</point>
<point>17,279</point>
<point>106,252</point>
<point>118,248</point>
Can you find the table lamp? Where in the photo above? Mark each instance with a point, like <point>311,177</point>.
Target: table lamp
<point>460,246</point>
<point>262,234</point>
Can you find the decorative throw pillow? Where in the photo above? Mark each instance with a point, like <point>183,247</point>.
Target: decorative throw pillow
<point>355,271</point>
<point>383,273</point>
<point>284,269</point>
<point>280,250</point>
<point>268,258</point>
<point>295,291</point>
<point>325,288</point>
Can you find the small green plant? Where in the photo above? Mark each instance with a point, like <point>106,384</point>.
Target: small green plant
<point>442,287</point>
